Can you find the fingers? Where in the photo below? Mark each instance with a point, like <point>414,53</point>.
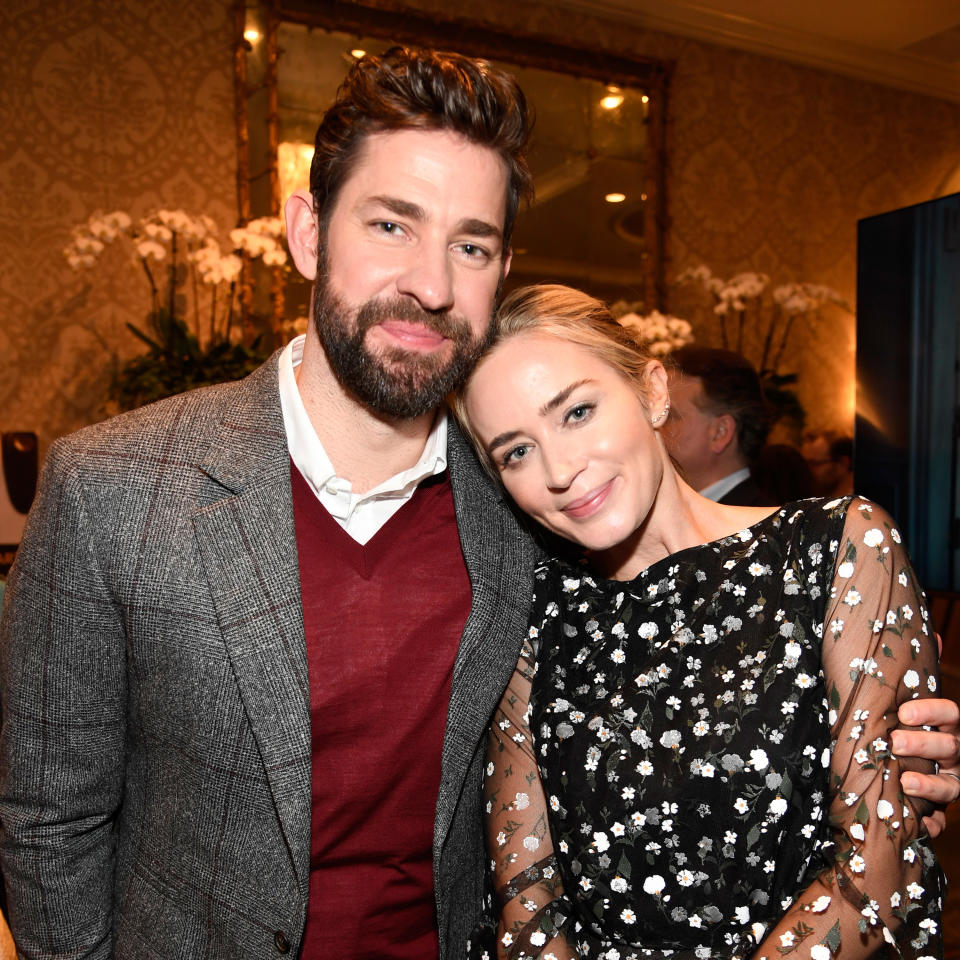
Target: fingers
<point>928,744</point>
<point>938,788</point>
<point>935,824</point>
<point>937,713</point>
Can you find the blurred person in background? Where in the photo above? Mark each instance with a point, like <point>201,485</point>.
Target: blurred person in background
<point>718,424</point>
<point>829,456</point>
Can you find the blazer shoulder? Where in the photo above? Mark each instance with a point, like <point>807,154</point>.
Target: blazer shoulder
<point>177,429</point>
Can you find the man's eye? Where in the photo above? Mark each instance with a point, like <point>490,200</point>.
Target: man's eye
<point>474,251</point>
<point>388,226</point>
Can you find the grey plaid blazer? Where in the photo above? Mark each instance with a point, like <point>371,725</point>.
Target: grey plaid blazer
<point>155,747</point>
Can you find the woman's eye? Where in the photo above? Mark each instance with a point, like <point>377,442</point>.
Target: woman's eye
<point>580,412</point>
<point>515,454</point>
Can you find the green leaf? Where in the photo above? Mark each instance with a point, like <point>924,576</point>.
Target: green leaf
<point>832,939</point>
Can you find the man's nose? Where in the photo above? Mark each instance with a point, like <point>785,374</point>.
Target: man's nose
<point>428,277</point>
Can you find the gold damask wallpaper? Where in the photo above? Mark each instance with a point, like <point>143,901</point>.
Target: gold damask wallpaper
<point>129,105</point>
<point>106,104</point>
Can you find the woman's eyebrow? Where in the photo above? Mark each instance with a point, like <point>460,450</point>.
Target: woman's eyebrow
<point>561,397</point>
<point>500,439</point>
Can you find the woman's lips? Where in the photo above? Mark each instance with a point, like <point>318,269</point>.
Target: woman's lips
<point>589,503</point>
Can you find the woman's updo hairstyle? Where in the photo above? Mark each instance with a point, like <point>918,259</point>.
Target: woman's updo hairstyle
<point>554,310</point>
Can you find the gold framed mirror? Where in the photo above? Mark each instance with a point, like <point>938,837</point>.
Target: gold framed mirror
<point>598,150</point>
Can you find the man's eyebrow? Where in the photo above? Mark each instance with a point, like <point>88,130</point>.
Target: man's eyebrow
<point>561,397</point>
<point>402,208</point>
<point>479,228</point>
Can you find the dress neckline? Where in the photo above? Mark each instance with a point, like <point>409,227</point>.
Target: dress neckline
<point>580,566</point>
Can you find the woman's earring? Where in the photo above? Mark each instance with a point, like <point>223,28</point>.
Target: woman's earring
<point>659,418</point>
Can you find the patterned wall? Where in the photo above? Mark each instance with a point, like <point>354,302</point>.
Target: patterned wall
<point>106,104</point>
<point>129,104</point>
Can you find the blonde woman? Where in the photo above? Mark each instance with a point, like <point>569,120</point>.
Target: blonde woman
<point>693,757</point>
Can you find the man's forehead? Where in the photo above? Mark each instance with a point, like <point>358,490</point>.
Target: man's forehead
<point>428,157</point>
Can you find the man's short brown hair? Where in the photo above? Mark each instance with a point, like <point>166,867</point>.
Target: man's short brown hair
<point>423,89</point>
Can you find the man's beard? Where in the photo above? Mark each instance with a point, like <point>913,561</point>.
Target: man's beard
<point>401,384</point>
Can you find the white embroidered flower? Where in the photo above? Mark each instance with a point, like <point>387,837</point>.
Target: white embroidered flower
<point>759,759</point>
<point>845,570</point>
<point>778,807</point>
<point>522,801</point>
<point>618,885</point>
<point>654,885</point>
<point>685,878</point>
<point>857,832</point>
<point>914,891</point>
<point>873,537</point>
<point>852,598</point>
<point>538,938</point>
<point>741,805</point>
<point>857,863</point>
<point>819,952</point>
<point>628,916</point>
<point>531,843</point>
<point>911,679</point>
<point>884,809</point>
<point>601,842</point>
<point>820,904</point>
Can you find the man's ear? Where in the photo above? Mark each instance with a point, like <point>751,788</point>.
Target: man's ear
<point>723,432</point>
<point>303,232</point>
<point>507,260</point>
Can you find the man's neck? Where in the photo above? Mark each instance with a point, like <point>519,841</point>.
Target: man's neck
<point>363,446</point>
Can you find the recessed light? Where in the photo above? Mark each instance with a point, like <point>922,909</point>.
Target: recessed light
<point>615,197</point>
<point>251,34</point>
<point>358,53</point>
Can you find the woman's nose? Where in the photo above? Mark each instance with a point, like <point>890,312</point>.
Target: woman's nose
<point>562,467</point>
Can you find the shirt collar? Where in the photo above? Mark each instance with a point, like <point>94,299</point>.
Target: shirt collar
<point>311,459</point>
<point>720,488</point>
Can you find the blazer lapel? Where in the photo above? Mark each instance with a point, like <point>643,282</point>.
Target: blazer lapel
<point>247,542</point>
<point>500,558</point>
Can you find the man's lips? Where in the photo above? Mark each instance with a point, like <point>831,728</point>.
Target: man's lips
<point>415,336</point>
<point>590,502</point>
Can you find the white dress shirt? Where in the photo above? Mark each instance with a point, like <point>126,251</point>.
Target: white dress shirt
<point>360,514</point>
<point>722,487</point>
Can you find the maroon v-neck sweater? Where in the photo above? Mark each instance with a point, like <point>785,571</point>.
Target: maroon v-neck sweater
<point>382,624</point>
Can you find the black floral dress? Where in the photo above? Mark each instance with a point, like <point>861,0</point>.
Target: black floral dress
<point>695,763</point>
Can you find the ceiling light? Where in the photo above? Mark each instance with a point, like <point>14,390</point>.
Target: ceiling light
<point>251,34</point>
<point>644,99</point>
<point>358,53</point>
<point>615,197</point>
<point>613,99</point>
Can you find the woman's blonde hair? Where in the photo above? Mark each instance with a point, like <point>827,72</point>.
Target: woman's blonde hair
<point>567,314</point>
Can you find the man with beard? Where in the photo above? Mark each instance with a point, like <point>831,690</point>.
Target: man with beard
<point>255,633</point>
